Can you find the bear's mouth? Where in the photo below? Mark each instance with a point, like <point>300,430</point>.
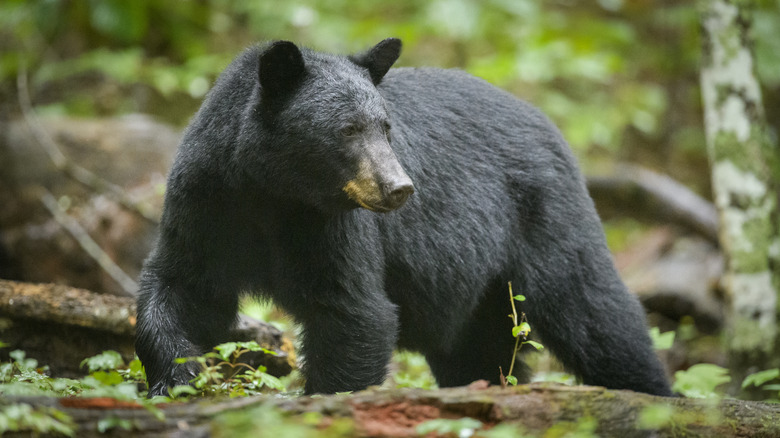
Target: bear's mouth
<point>367,194</point>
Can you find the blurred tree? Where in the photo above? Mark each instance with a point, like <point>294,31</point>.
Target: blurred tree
<point>618,77</point>
<point>745,174</point>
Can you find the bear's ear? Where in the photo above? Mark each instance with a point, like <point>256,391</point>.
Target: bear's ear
<point>281,69</point>
<point>379,58</point>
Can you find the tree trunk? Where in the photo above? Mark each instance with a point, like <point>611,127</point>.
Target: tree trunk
<point>744,172</point>
<point>539,409</point>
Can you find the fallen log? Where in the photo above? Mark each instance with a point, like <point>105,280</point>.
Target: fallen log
<point>650,197</point>
<point>60,326</point>
<point>536,409</point>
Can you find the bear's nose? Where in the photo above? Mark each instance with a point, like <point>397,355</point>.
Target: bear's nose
<point>396,194</point>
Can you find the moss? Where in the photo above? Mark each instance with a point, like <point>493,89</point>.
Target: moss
<point>748,335</point>
<point>275,423</point>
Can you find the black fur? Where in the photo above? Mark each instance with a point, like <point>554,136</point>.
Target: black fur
<point>258,200</point>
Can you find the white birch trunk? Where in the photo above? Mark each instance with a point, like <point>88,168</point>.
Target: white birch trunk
<point>744,179</point>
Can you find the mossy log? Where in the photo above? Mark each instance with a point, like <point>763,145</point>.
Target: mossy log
<point>525,410</point>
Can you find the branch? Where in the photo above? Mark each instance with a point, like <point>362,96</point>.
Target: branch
<point>649,196</point>
<point>62,163</point>
<point>88,244</point>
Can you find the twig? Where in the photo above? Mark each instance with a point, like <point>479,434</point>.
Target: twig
<point>62,163</point>
<point>88,244</point>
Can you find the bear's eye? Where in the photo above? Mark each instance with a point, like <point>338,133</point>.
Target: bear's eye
<point>350,131</point>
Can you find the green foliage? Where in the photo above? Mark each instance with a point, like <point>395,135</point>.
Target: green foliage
<point>22,376</point>
<point>223,374</point>
<point>584,427</point>
<point>520,331</point>
<point>108,423</point>
<point>266,420</point>
<point>266,311</point>
<point>506,430</point>
<point>412,371</point>
<point>107,360</point>
<point>762,380</point>
<point>655,416</point>
<point>555,377</point>
<point>700,380</point>
<point>21,417</point>
<point>661,341</point>
<point>577,60</point>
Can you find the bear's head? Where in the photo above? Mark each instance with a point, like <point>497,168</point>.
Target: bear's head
<point>326,129</point>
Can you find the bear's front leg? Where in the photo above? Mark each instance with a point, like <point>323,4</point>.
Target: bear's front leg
<point>347,347</point>
<point>178,320</point>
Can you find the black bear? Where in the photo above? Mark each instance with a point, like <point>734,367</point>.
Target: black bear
<point>383,209</point>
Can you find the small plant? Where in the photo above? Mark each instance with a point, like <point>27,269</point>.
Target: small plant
<point>700,380</point>
<point>412,371</point>
<point>762,380</point>
<point>520,331</point>
<point>23,376</point>
<point>21,417</point>
<point>662,341</point>
<point>223,374</point>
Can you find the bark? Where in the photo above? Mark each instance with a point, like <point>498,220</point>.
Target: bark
<point>60,326</point>
<point>535,409</point>
<point>744,162</point>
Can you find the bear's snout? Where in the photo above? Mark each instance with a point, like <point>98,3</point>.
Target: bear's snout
<point>397,192</point>
<point>380,197</point>
<point>380,183</point>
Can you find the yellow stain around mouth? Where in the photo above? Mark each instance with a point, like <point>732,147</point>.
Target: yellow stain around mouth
<point>360,191</point>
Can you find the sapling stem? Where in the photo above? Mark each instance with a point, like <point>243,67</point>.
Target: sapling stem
<point>514,320</point>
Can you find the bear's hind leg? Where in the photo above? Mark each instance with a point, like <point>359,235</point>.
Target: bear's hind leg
<point>583,313</point>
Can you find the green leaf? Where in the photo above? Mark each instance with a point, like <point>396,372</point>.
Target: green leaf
<point>17,355</point>
<point>109,378</point>
<point>135,370</point>
<point>107,360</point>
<point>661,341</point>
<point>534,344</point>
<point>226,350</point>
<point>512,380</point>
<point>761,377</point>
<point>179,390</point>
<point>523,329</point>
<point>272,382</point>
<point>108,423</point>
<point>700,380</point>
<point>519,297</point>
